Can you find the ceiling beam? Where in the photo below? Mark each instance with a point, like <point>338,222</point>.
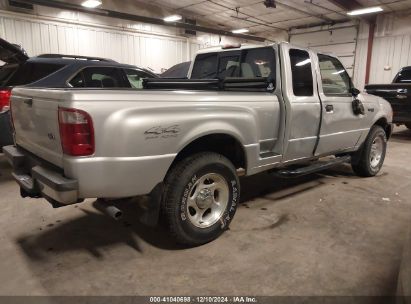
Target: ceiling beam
<point>290,7</point>
<point>350,5</point>
<point>237,11</point>
<point>347,5</point>
<point>139,18</point>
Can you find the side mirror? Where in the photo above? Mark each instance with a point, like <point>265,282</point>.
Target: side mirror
<point>358,107</point>
<point>355,91</point>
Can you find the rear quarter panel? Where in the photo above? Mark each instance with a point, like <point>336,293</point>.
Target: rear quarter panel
<point>138,133</point>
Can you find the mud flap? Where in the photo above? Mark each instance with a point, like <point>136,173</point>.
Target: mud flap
<point>151,215</point>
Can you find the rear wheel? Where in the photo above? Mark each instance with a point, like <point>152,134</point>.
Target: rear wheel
<point>200,198</point>
<point>368,160</point>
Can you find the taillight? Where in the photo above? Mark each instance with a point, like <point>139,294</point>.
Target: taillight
<point>4,100</point>
<point>76,132</point>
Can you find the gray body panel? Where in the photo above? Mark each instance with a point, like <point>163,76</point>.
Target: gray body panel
<point>138,133</point>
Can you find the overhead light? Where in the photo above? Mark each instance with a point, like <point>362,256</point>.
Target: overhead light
<point>239,31</point>
<point>172,18</point>
<point>304,62</point>
<point>367,10</point>
<point>91,3</point>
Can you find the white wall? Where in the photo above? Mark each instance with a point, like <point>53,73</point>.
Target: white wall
<point>40,36</point>
<point>391,49</point>
<point>48,30</point>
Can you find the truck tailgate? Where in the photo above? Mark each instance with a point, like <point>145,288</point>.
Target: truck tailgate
<point>35,117</point>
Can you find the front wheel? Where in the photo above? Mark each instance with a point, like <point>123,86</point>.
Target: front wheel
<point>200,198</point>
<point>368,160</point>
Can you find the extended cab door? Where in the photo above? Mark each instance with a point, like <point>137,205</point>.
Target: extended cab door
<point>303,109</point>
<point>340,127</point>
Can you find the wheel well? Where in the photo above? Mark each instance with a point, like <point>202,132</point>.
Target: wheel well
<point>382,122</point>
<point>223,144</point>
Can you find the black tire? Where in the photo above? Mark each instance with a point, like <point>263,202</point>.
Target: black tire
<point>182,181</point>
<point>361,162</point>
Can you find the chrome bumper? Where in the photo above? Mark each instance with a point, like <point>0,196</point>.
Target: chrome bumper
<point>37,178</point>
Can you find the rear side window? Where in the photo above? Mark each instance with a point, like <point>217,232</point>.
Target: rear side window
<point>99,77</point>
<point>404,76</point>
<point>30,72</point>
<point>248,63</point>
<point>301,73</point>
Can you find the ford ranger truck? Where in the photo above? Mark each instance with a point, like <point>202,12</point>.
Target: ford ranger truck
<point>185,142</point>
<point>398,94</point>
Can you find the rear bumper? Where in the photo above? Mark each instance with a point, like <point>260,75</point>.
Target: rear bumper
<point>40,179</point>
<point>6,134</point>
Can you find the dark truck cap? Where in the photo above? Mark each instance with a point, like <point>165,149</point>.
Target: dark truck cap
<point>12,53</point>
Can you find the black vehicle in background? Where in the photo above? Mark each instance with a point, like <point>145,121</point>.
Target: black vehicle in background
<point>398,94</point>
<point>179,70</point>
<point>58,71</point>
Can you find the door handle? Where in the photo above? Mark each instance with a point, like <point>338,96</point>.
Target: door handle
<point>329,108</point>
<point>402,93</point>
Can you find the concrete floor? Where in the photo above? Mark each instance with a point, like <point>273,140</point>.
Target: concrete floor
<point>325,234</point>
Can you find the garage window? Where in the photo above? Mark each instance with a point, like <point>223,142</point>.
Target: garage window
<point>99,77</point>
<point>334,77</point>
<point>301,73</point>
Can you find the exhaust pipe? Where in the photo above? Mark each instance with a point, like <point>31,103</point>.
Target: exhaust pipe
<point>109,210</point>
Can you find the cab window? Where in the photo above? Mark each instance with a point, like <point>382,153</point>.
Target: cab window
<point>205,66</point>
<point>135,77</point>
<point>99,77</point>
<point>301,73</point>
<point>334,77</point>
<point>247,63</point>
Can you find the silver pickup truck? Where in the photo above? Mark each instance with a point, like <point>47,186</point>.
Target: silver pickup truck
<point>243,110</point>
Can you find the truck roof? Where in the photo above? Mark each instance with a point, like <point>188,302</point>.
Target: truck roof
<point>231,47</point>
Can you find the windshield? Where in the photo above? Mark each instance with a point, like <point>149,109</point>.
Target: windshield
<point>404,76</point>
